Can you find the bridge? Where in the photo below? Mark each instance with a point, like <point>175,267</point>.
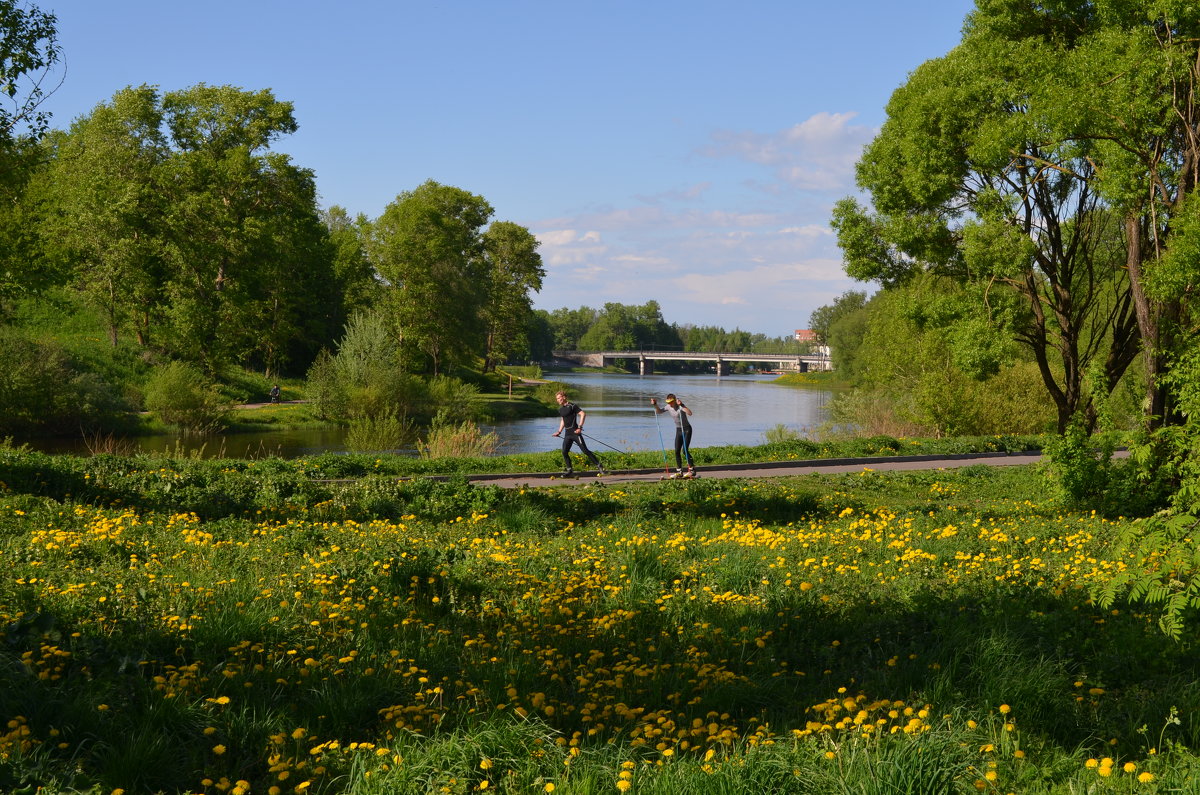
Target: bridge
<point>799,363</point>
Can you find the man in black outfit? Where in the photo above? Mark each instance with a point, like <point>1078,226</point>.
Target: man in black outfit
<point>570,427</point>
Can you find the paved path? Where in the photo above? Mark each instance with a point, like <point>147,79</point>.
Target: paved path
<point>774,469</point>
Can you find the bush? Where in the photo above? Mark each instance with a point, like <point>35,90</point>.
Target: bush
<point>377,434</point>
<point>44,392</point>
<point>545,392</point>
<point>181,396</point>
<point>780,434</point>
<point>462,440</point>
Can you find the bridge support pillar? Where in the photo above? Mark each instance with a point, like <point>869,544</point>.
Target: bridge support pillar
<point>645,366</point>
<point>722,368</point>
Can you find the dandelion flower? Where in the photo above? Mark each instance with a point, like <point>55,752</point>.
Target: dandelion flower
<point>1130,767</point>
<point>1145,777</point>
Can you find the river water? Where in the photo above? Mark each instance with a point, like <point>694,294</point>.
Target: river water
<point>734,409</point>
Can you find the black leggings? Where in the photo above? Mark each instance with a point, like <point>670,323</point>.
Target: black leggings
<point>683,441</point>
<point>571,437</point>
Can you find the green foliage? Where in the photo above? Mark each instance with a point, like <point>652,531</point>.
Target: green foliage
<point>44,393</point>
<point>719,636</point>
<point>450,437</point>
<point>514,270</point>
<point>927,362</point>
<point>986,172</point>
<point>380,433</point>
<point>429,245</point>
<point>544,393</point>
<point>1165,576</point>
<point>182,396</point>
<point>628,328</point>
<point>365,379</point>
<point>823,318</point>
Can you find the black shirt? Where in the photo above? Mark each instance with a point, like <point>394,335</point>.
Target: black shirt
<point>570,415</point>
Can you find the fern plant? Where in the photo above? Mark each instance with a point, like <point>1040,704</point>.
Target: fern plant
<point>1165,572</point>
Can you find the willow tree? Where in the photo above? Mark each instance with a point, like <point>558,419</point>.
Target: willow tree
<point>977,174</point>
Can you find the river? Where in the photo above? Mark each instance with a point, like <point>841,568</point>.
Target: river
<point>734,409</point>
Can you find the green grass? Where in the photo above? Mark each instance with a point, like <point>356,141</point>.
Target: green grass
<point>184,627</point>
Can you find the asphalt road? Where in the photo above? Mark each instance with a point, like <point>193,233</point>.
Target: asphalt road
<point>774,469</point>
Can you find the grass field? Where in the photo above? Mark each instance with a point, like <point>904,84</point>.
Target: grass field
<point>928,632</point>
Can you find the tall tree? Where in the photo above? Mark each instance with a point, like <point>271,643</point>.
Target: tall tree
<point>357,281</point>
<point>514,269</point>
<point>106,209</point>
<point>569,326</point>
<point>174,214</point>
<point>226,191</point>
<point>29,52</point>
<point>966,182</point>
<point>823,318</point>
<point>428,245</point>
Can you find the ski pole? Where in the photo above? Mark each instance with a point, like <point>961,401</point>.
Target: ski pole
<point>661,443</point>
<point>683,434</point>
<point>597,441</point>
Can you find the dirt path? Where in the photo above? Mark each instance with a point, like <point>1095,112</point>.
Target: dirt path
<point>774,469</point>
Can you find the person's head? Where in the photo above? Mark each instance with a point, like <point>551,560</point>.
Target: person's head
<point>671,399</point>
<point>561,397</point>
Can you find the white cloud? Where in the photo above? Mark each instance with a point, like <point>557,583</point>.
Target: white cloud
<point>816,154</point>
<point>713,253</point>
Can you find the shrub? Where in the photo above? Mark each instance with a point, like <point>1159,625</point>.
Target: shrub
<point>545,392</point>
<point>780,434</point>
<point>462,440</point>
<point>42,391</point>
<point>385,432</point>
<point>181,396</point>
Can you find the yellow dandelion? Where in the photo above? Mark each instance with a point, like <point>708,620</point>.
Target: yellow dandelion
<point>624,784</point>
<point>1130,767</point>
<point>1145,777</point>
<point>549,787</point>
<point>1005,709</point>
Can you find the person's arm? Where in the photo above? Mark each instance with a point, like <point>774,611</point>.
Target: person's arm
<point>561,422</point>
<point>579,417</point>
<point>654,404</point>
<point>685,409</point>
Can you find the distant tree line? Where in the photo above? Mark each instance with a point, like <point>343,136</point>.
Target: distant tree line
<point>618,327</point>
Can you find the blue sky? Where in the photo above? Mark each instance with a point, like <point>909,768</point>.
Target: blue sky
<point>685,152</point>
